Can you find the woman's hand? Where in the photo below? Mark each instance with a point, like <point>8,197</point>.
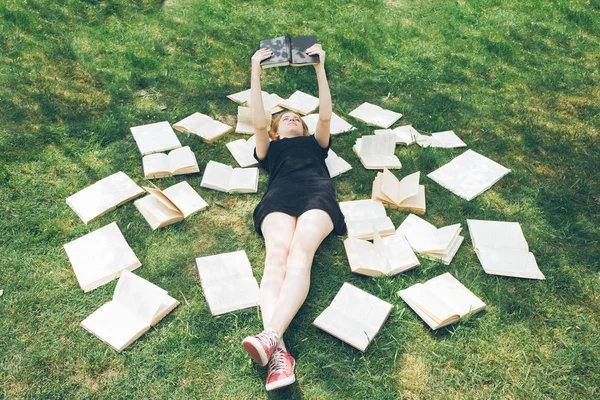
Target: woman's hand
<point>316,49</point>
<point>260,55</point>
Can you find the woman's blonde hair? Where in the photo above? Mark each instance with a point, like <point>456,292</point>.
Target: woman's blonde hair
<point>275,126</point>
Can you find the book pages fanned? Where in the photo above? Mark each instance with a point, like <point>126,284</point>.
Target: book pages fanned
<point>364,217</point>
<point>301,103</point>
<point>338,125</point>
<point>100,256</point>
<point>405,134</point>
<point>207,128</point>
<point>227,179</point>
<point>155,138</point>
<point>244,121</point>
<point>103,196</point>
<point>336,165</point>
<point>404,194</point>
<point>242,151</point>
<point>136,306</point>
<point>502,249</point>
<point>469,174</point>
<point>441,301</point>
<point>178,162</point>
<point>354,316</point>
<point>377,151</point>
<point>375,115</point>
<point>227,282</point>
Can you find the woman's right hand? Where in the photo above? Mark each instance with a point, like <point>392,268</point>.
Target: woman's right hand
<point>260,55</point>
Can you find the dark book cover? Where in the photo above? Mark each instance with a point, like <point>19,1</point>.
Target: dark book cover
<point>299,45</point>
<point>288,51</point>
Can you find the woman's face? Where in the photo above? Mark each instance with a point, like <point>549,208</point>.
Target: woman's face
<point>290,125</point>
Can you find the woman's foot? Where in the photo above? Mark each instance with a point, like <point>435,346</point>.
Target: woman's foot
<point>262,346</point>
<point>281,369</point>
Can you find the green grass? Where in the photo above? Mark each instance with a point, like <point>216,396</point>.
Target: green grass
<point>517,81</point>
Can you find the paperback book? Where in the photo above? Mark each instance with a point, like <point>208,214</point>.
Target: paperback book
<point>227,179</point>
<point>374,115</point>
<point>243,151</point>
<point>365,217</point>
<point>405,194</point>
<point>203,126</point>
<point>155,138</point>
<point>301,103</point>
<point>338,125</point>
<point>377,151</point>
<point>180,161</point>
<point>244,121</point>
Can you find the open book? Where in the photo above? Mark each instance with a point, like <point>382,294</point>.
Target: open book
<point>338,125</point>
<point>441,301</point>
<point>405,194</point>
<point>405,134</point>
<point>301,103</point>
<point>446,139</point>
<point>354,316</point>
<point>289,51</point>
<point>103,196</point>
<point>335,164</point>
<point>155,138</point>
<point>430,242</point>
<point>270,101</point>
<point>364,217</point>
<point>136,306</point>
<point>243,151</point>
<point>244,121</point>
<point>227,179</point>
<point>502,249</point>
<point>178,162</point>
<point>204,126</point>
<point>100,256</point>
<point>388,256</point>
<point>375,115</point>
<point>227,282</point>
<point>164,207</point>
<point>469,174</point>
<point>377,151</point>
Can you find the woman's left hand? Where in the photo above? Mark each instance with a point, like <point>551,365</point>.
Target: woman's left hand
<point>316,49</point>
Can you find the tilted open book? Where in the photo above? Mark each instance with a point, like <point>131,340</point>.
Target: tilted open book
<point>441,301</point>
<point>377,151</point>
<point>136,306</point>
<point>100,256</point>
<point>364,217</point>
<point>164,207</point>
<point>244,121</point>
<point>301,103</point>
<point>204,126</point>
<point>446,139</point>
<point>227,179</point>
<point>227,282</point>
<point>178,162</point>
<point>375,115</point>
<point>354,316</point>
<point>405,194</point>
<point>155,138</point>
<point>289,50</point>
<point>405,134</point>
<point>103,196</point>
<point>335,164</point>
<point>243,151</point>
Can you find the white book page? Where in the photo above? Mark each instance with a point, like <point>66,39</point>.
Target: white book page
<point>444,238</point>
<point>377,145</point>
<point>390,186</point>
<point>336,165</point>
<point>115,324</point>
<point>375,115</point>
<point>244,180</point>
<point>224,267</point>
<point>398,253</point>
<point>160,196</point>
<point>497,235</point>
<point>454,294</point>
<point>379,162</point>
<point>213,129</point>
<point>187,200</point>
<point>505,262</point>
<point>242,152</point>
<point>406,134</point>
<point>154,138</point>
<point>230,295</point>
<point>100,256</point>
<point>409,186</point>
<point>166,307</point>
<point>428,305</point>
<point>358,210</point>
<point>271,103</point>
<point>157,163</point>
<point>182,158</point>
<point>447,139</point>
<point>301,102</point>
<point>345,328</point>
<point>364,229</point>
<point>216,176</point>
<point>243,96</point>
<point>417,201</point>
<point>141,297</point>
<point>419,233</point>
<point>192,123</point>
<point>156,213</point>
<point>363,258</point>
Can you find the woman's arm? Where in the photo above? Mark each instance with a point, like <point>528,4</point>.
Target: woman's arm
<point>325,106</point>
<point>259,119</point>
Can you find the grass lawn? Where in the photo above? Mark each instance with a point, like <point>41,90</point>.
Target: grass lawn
<point>518,81</point>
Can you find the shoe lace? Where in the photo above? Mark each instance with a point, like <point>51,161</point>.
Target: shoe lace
<point>277,363</point>
<point>268,338</point>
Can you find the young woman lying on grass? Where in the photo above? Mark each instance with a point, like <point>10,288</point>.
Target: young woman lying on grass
<point>296,213</point>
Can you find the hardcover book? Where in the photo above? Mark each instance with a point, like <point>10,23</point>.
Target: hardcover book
<point>289,51</point>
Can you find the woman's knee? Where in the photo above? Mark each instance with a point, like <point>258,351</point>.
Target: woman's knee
<point>277,257</point>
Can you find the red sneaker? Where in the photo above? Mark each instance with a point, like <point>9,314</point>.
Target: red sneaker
<point>281,370</point>
<point>261,346</point>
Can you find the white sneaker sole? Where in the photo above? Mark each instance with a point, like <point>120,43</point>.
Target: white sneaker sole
<point>280,383</point>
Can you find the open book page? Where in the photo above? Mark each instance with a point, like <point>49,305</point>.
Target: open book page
<point>244,121</point>
<point>156,166</point>
<point>363,258</point>
<point>100,256</point>
<point>192,123</point>
<point>216,176</point>
<point>187,200</point>
<point>156,213</point>
<point>244,96</point>
<point>375,115</point>
<point>103,196</point>
<point>363,217</point>
<point>364,229</point>
<point>416,204</point>
<point>338,125</point>
<point>243,151</point>
<point>469,174</point>
<point>497,235</point>
<point>271,103</point>
<point>376,145</point>
<point>408,187</point>
<point>506,262</point>
<point>183,161</point>
<point>244,180</point>
<point>446,257</point>
<point>398,253</point>
<point>354,316</point>
<point>204,126</point>
<point>160,196</point>
<point>155,138</point>
<point>424,237</point>
<point>445,236</point>
<point>446,139</point>
<point>429,306</point>
<point>460,299</point>
<point>168,305</point>
<point>141,297</point>
<point>336,165</point>
<point>225,266</point>
<point>301,103</point>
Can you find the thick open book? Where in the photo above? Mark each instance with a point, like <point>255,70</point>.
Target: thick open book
<point>136,306</point>
<point>502,249</point>
<point>164,207</point>
<point>227,179</point>
<point>354,316</point>
<point>405,134</point>
<point>155,138</point>
<point>227,282</point>
<point>441,301</point>
<point>377,151</point>
<point>204,126</point>
<point>178,162</point>
<point>244,121</point>
<point>364,217</point>
<point>243,151</point>
<point>338,125</point>
<point>100,256</point>
<point>469,174</point>
<point>289,51</point>
<point>405,194</point>
<point>270,101</point>
<point>301,103</point>
<point>430,242</point>
<point>335,164</point>
<point>103,196</point>
<point>388,256</point>
<point>375,115</point>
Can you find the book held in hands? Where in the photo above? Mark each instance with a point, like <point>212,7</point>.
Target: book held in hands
<point>204,126</point>
<point>180,161</point>
<point>227,282</point>
<point>227,179</point>
<point>354,316</point>
<point>100,256</point>
<point>289,51</point>
<point>375,115</point>
<point>364,217</point>
<point>377,151</point>
<point>136,306</point>
<point>155,138</point>
<point>405,194</point>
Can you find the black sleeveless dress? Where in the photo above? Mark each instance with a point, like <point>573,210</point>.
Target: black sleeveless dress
<point>298,181</point>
